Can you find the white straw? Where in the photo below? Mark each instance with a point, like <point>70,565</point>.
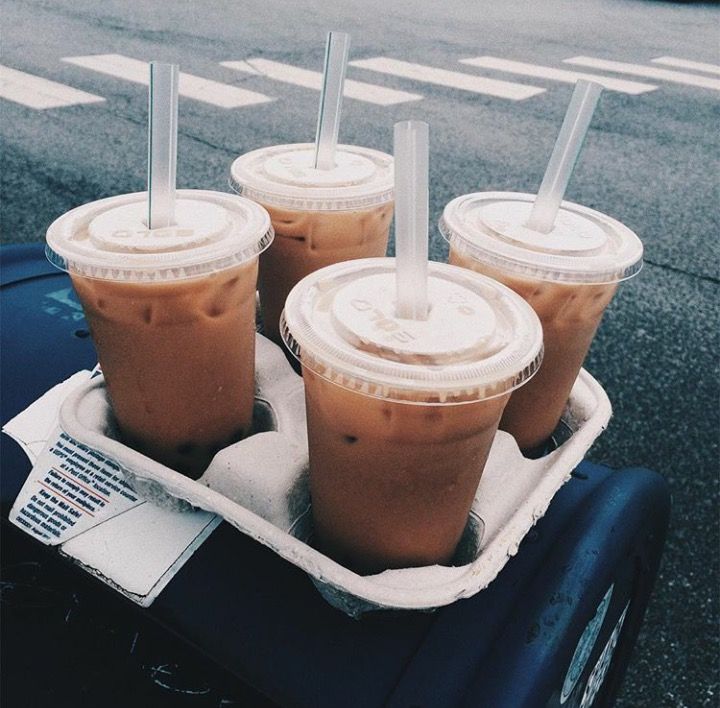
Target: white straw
<point>162,144</point>
<point>411,218</point>
<point>564,156</point>
<point>328,125</point>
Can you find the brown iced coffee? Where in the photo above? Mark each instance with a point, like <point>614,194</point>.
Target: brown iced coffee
<point>569,276</point>
<point>392,482</point>
<point>320,217</point>
<point>570,315</point>
<point>182,411</point>
<point>402,413</point>
<point>172,316</point>
<point>308,240</point>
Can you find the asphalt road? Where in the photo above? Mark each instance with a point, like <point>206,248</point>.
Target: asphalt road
<point>650,160</point>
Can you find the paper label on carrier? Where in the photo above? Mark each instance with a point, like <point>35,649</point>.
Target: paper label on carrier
<point>77,499</point>
<point>71,489</point>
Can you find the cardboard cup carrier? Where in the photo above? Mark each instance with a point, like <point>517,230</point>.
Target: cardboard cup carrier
<point>260,486</point>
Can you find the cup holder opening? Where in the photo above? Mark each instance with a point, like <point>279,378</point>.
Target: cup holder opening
<point>192,462</point>
<point>264,419</point>
<point>562,433</point>
<point>466,552</point>
<point>468,548</point>
<point>302,528</point>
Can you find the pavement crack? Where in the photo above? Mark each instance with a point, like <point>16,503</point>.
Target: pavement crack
<point>682,271</point>
<point>181,133</point>
<point>76,188</point>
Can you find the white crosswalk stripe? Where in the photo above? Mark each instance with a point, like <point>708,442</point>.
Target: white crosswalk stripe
<point>36,92</point>
<point>687,64</point>
<point>547,72</point>
<point>450,79</point>
<point>650,72</point>
<point>286,73</point>
<point>190,86</point>
<point>39,93</point>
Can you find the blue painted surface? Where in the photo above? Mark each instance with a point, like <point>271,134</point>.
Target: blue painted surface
<point>244,609</point>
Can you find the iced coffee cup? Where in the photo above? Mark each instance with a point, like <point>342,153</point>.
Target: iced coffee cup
<point>402,412</point>
<point>172,315</point>
<point>569,275</point>
<point>320,216</point>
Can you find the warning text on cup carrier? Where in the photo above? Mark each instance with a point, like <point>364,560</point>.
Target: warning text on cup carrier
<point>80,482</point>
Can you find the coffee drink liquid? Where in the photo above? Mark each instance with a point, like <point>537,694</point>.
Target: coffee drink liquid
<point>320,217</point>
<point>402,413</point>
<point>569,276</point>
<point>172,315</point>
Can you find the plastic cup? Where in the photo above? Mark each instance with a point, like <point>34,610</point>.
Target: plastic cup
<point>172,315</point>
<point>320,217</point>
<point>401,412</point>
<point>568,275</point>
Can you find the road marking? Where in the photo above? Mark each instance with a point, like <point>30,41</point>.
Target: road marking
<point>450,79</point>
<point>650,72</point>
<point>35,92</point>
<point>546,72</point>
<point>289,74</point>
<point>190,86</point>
<point>686,64</point>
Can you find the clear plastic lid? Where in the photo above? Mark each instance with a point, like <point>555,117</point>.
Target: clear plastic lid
<point>584,246</point>
<point>479,340</point>
<point>109,239</point>
<point>284,176</point>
